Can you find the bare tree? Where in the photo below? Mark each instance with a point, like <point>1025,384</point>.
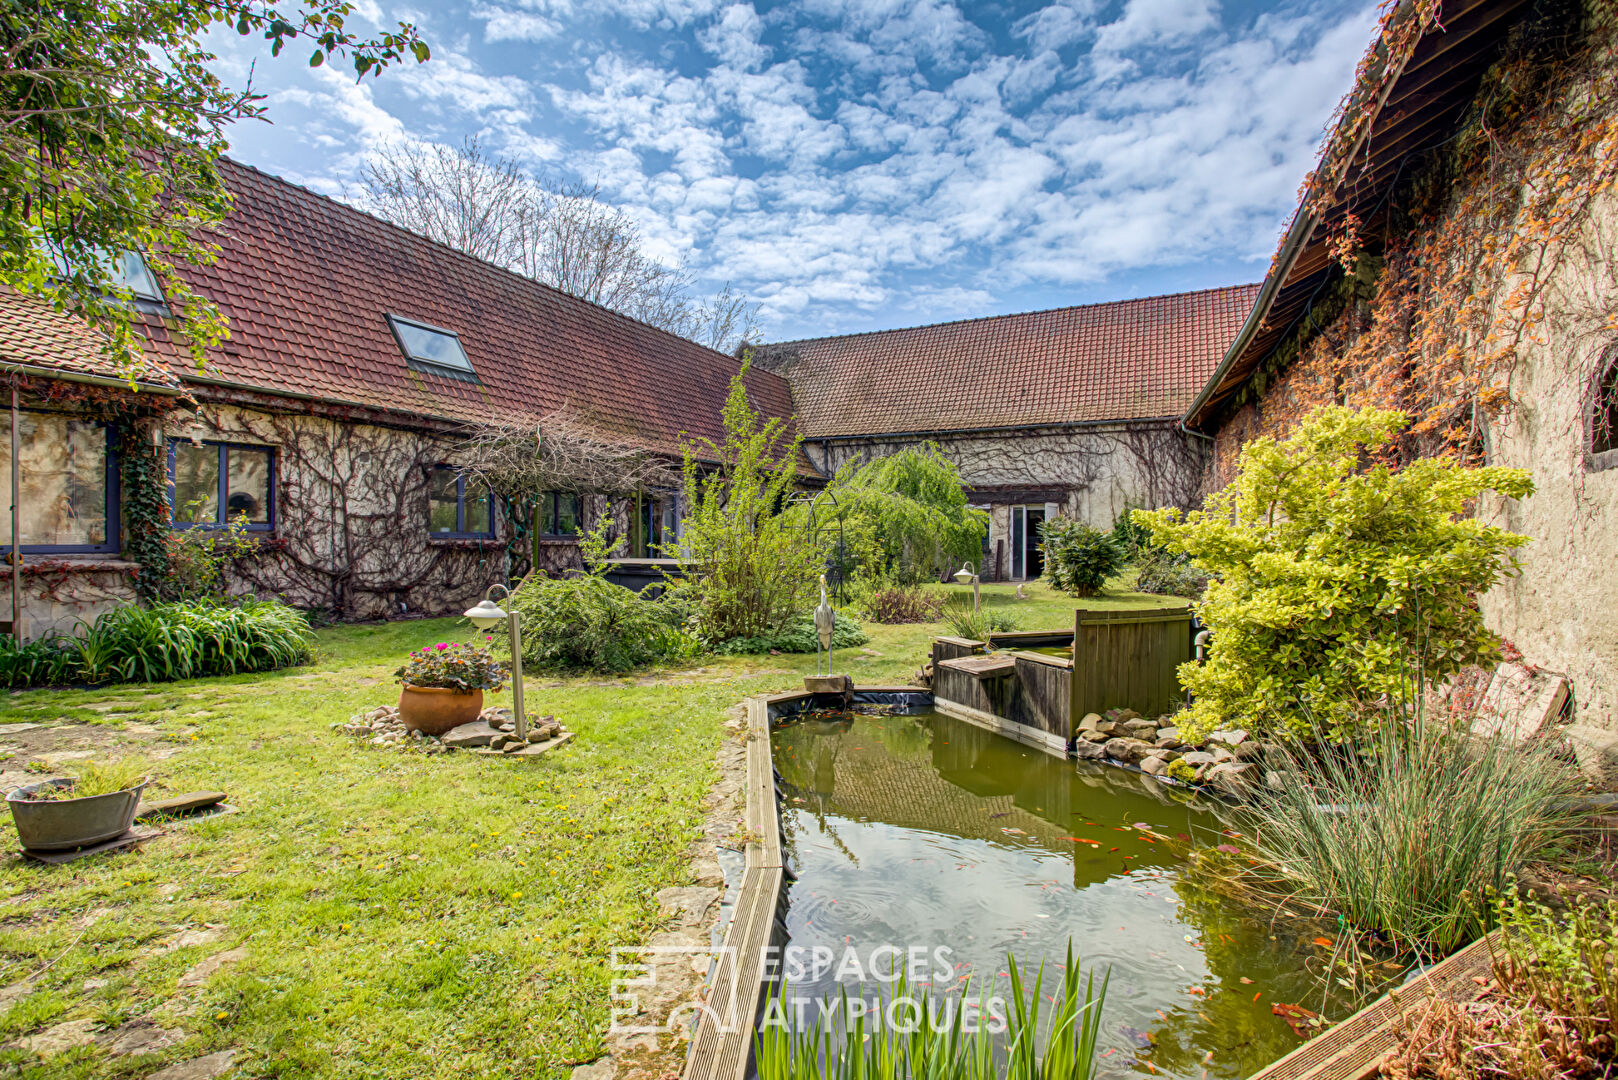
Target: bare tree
<point>566,236</point>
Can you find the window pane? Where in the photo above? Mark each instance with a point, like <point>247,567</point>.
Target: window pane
<point>477,511</point>
<point>567,513</point>
<point>433,346</point>
<point>441,500</point>
<point>131,271</point>
<point>247,485</point>
<point>196,483</point>
<point>63,483</point>
<point>547,514</point>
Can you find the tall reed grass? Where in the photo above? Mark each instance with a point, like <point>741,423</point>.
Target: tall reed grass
<point>1410,834</point>
<point>939,1039</point>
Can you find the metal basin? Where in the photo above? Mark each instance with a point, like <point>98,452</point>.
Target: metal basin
<point>65,824</point>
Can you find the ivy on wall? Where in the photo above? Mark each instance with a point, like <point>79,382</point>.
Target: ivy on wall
<point>143,476</point>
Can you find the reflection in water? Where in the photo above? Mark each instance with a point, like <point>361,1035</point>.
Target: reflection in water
<point>926,831</point>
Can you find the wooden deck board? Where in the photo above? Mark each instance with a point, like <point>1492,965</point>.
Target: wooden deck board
<point>983,667</point>
<point>1353,1049</point>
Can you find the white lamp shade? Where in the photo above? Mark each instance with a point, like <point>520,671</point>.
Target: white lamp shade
<point>964,575</point>
<point>486,614</point>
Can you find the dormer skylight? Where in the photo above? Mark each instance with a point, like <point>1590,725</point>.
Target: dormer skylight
<point>430,345</point>
<point>131,271</point>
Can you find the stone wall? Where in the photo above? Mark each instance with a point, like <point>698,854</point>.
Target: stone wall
<point>1092,472</point>
<point>1562,611</point>
<point>59,592</point>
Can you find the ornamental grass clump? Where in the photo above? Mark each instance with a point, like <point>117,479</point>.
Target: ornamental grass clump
<point>1407,831</point>
<point>917,1035</point>
<point>92,779</point>
<point>1331,567</point>
<point>453,665</point>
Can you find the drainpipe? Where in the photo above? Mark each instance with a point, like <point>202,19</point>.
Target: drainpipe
<point>16,526</point>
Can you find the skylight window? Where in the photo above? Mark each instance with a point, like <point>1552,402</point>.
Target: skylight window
<point>429,345</point>
<point>130,271</point>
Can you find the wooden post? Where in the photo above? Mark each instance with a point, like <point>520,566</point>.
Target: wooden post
<point>514,622</point>
<point>16,521</point>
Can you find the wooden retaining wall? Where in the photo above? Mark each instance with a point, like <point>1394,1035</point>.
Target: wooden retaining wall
<point>722,1045</point>
<point>1353,1049</point>
<point>1129,659</point>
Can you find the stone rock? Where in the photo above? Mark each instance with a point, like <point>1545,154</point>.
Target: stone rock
<point>1166,755</point>
<point>495,715</point>
<point>56,1040</point>
<point>1222,754</point>
<point>467,736</point>
<point>823,684</point>
<point>1248,751</point>
<point>138,1037</point>
<point>1096,736</point>
<point>1170,733</point>
<point>201,970</point>
<point>1121,715</point>
<point>1109,728</point>
<point>1141,729</point>
<point>688,905</point>
<point>1596,750</point>
<point>514,745</point>
<point>1090,721</point>
<point>1233,778</point>
<point>605,1069</point>
<point>202,1068</point>
<point>1085,750</point>
<point>11,993</point>
<point>1154,766</point>
<point>707,872</point>
<point>1197,758</point>
<point>1232,737</point>
<point>1128,749</point>
<point>1276,779</point>
<point>187,938</point>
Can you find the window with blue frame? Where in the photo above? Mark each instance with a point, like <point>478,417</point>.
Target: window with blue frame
<point>559,513</point>
<point>68,485</point>
<point>456,509</point>
<point>214,483</point>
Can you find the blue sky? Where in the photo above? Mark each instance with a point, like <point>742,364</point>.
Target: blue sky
<point>858,164</point>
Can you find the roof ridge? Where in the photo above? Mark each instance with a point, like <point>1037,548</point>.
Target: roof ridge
<point>1014,314</point>
<point>458,253</point>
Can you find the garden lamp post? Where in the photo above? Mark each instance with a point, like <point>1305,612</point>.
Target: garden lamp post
<point>486,615</point>
<point>967,573</point>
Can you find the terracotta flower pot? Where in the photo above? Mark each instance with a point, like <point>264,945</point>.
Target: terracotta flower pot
<point>433,710</point>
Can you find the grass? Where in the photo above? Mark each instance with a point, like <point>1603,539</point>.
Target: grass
<point>403,916</point>
<point>1413,834</point>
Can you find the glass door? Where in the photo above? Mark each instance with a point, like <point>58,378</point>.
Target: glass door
<point>1034,557</point>
<point>1019,541</point>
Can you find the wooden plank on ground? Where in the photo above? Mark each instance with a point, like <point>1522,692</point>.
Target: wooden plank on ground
<point>1355,1048</point>
<point>983,667</point>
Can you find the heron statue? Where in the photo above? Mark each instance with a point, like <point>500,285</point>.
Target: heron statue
<point>825,623</point>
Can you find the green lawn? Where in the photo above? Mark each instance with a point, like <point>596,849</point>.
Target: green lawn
<point>401,915</point>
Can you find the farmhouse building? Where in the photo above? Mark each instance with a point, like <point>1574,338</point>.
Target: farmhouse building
<point>1494,132</point>
<point>1071,412</point>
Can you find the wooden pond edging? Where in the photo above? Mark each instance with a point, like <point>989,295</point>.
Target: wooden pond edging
<point>1354,1049</point>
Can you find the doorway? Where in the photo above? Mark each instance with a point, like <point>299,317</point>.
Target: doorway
<point>1027,557</point>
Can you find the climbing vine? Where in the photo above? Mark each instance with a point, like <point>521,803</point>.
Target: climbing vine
<point>143,475</point>
<point>1471,241</point>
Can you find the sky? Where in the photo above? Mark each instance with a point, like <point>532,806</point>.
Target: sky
<point>861,164</point>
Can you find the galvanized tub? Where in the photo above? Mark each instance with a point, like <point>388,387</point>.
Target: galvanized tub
<point>65,824</point>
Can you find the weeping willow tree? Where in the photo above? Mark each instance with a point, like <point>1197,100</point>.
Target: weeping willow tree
<point>905,516</point>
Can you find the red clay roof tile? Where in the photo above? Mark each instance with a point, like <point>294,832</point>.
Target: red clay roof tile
<point>1124,360</point>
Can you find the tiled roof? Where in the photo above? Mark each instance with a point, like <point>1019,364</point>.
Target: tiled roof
<point>36,336</point>
<point>1125,360</point>
<point>306,282</point>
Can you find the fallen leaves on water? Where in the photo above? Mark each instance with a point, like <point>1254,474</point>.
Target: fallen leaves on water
<point>1303,1022</point>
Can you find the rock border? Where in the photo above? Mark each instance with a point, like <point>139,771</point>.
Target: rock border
<point>492,734</point>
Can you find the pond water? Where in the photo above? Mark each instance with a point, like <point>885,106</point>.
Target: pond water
<point>926,831</point>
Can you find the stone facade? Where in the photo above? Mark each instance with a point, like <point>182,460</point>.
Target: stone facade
<point>1089,473</point>
<point>1560,611</point>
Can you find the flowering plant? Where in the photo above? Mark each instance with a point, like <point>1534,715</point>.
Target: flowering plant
<point>453,666</point>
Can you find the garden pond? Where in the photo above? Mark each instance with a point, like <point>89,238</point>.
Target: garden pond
<point>923,830</point>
